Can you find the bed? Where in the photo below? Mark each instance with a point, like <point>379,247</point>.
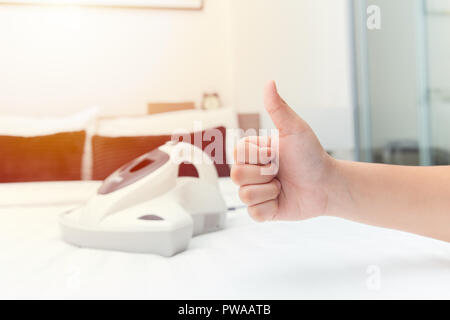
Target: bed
<point>321,258</point>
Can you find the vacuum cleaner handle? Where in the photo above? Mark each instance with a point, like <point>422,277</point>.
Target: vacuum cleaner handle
<point>180,152</point>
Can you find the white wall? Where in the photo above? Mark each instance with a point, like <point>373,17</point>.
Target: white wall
<point>58,60</point>
<point>304,46</point>
<point>55,61</point>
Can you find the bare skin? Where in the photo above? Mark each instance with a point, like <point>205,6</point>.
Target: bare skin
<point>310,183</point>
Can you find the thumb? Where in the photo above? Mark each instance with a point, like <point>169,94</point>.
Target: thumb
<point>284,118</point>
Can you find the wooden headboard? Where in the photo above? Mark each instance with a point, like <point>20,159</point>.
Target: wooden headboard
<point>161,107</point>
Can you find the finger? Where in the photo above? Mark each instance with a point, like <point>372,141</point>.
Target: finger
<point>262,141</point>
<point>249,153</point>
<point>244,174</point>
<point>265,211</point>
<point>284,118</point>
<point>254,194</point>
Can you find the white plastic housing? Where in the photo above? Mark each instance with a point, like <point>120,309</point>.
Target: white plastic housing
<point>158,213</point>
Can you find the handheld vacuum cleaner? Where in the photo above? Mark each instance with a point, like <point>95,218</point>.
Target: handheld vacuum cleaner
<point>146,207</point>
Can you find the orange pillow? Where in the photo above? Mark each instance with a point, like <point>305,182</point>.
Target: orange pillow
<point>53,157</point>
<point>110,153</point>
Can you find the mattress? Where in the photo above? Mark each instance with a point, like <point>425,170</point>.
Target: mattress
<point>324,258</point>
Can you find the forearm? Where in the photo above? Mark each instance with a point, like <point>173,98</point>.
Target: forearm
<point>412,199</point>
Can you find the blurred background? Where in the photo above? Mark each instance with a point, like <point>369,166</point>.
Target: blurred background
<point>403,82</point>
<point>380,95</point>
<point>89,85</point>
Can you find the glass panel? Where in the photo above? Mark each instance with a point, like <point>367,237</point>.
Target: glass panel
<point>438,51</point>
<point>392,83</point>
<point>392,75</point>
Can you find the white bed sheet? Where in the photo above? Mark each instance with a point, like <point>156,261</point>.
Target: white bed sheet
<point>321,258</point>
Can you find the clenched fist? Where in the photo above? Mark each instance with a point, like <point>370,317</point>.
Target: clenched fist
<point>299,189</point>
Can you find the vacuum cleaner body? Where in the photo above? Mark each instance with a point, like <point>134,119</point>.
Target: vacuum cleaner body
<point>146,207</point>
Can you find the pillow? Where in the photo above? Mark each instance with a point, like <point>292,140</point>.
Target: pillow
<point>11,125</point>
<point>110,153</point>
<point>53,157</point>
<point>167,123</point>
<point>45,148</point>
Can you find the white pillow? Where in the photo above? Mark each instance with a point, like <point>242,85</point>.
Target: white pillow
<point>41,126</point>
<point>166,123</point>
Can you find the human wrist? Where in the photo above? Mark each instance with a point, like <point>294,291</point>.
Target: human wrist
<point>339,194</point>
